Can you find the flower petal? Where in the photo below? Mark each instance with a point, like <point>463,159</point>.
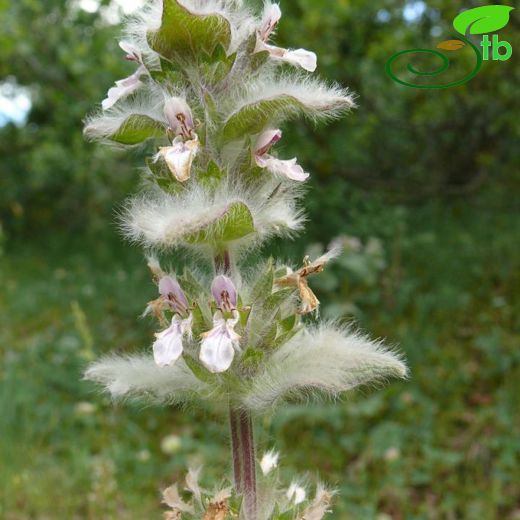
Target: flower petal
<point>179,117</point>
<point>307,60</point>
<point>288,168</point>
<point>266,140</point>
<point>171,291</point>
<point>224,292</point>
<point>133,53</point>
<point>270,19</point>
<point>179,158</point>
<point>217,349</point>
<point>124,87</point>
<point>168,346</point>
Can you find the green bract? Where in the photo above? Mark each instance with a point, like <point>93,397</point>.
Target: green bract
<point>138,128</point>
<point>234,223</point>
<point>186,33</point>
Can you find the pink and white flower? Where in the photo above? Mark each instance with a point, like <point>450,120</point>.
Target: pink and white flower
<point>288,168</point>
<point>168,346</point>
<point>307,60</point>
<point>218,346</point>
<point>123,88</point>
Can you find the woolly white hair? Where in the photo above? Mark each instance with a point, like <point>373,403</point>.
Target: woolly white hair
<point>314,98</point>
<point>102,125</point>
<point>139,376</point>
<point>160,220</point>
<point>325,360</point>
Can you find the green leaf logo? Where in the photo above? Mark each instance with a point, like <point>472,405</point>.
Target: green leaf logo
<point>482,20</point>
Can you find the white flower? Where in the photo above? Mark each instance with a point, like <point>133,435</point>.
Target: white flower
<point>269,462</point>
<point>168,346</point>
<point>288,168</point>
<point>123,88</point>
<point>179,157</point>
<point>217,349</point>
<point>133,53</point>
<point>296,494</point>
<point>179,117</point>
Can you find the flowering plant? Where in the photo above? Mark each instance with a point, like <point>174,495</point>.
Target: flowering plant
<point>208,97</point>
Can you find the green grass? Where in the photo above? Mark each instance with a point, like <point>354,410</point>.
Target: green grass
<point>444,445</point>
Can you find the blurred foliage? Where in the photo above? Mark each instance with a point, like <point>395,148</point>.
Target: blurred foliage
<point>426,181</point>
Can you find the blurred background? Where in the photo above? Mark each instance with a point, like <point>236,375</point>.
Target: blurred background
<point>422,186</point>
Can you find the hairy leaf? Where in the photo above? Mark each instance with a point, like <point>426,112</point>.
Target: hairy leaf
<point>184,32</point>
<point>252,119</point>
<point>138,128</point>
<point>235,222</point>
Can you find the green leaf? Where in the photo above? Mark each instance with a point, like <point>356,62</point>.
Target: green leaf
<point>263,286</point>
<point>184,32</point>
<point>288,323</point>
<point>284,337</point>
<point>235,222</point>
<point>252,358</point>
<point>191,285</point>
<point>258,59</point>
<point>212,176</point>
<point>253,118</point>
<point>170,72</point>
<point>278,298</point>
<point>199,371</point>
<point>138,128</point>
<point>482,20</point>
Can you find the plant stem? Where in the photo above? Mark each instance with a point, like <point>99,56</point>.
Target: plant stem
<point>244,466</point>
<point>242,439</point>
<point>234,426</point>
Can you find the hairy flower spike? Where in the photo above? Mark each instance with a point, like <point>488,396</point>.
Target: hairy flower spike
<point>207,103</point>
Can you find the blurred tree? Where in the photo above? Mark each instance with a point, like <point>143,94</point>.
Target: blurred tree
<point>408,144</point>
<point>67,57</point>
<point>416,143</point>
